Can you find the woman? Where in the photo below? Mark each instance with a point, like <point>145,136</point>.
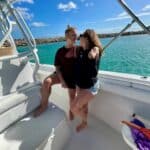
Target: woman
<point>86,71</point>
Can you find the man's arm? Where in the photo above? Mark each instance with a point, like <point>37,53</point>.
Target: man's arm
<point>57,64</point>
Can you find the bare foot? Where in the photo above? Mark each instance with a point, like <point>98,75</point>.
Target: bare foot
<point>39,111</point>
<point>71,116</point>
<point>81,126</point>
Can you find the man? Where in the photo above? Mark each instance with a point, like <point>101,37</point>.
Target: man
<point>64,61</point>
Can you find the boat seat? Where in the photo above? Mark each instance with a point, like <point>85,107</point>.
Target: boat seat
<point>14,106</point>
<point>34,133</point>
<point>19,92</point>
<point>14,74</point>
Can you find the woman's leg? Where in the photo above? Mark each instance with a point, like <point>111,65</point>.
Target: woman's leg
<point>84,116</point>
<point>84,113</point>
<point>72,95</point>
<point>80,107</point>
<point>45,92</point>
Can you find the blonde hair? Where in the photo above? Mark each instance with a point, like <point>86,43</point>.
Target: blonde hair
<point>69,29</point>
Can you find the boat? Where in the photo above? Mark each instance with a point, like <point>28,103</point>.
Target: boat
<point>119,97</point>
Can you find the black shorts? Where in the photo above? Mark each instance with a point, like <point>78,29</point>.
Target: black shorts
<point>70,83</point>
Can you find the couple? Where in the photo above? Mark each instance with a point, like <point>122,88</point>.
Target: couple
<point>77,70</point>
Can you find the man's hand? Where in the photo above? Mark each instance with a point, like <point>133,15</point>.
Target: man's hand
<point>63,84</point>
<point>94,53</point>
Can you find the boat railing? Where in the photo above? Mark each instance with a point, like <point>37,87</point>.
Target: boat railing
<point>133,16</point>
<point>119,34</point>
<point>6,26</point>
<point>135,19</point>
<point>7,31</point>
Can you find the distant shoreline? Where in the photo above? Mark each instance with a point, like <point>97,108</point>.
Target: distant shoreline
<point>22,42</point>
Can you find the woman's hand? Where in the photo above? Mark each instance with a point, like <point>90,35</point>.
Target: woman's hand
<point>94,53</point>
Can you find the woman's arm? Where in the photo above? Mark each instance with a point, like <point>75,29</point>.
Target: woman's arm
<point>94,53</point>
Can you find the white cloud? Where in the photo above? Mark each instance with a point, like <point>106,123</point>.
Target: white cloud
<point>124,15</point>
<point>109,30</point>
<point>68,6</point>
<point>25,13</point>
<point>120,16</point>
<point>38,24</point>
<point>143,14</point>
<point>90,4</point>
<point>146,8</point>
<point>26,1</point>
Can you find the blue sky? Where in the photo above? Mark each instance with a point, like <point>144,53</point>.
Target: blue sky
<point>49,18</point>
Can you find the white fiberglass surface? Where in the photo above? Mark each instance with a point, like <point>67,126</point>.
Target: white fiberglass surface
<point>97,136</point>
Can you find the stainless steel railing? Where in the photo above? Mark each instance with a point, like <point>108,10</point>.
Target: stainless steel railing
<point>7,10</point>
<point>135,19</point>
<point>133,16</point>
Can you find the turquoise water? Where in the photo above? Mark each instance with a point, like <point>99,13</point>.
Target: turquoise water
<point>130,54</point>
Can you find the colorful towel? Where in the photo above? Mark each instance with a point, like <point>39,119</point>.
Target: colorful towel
<point>141,141</point>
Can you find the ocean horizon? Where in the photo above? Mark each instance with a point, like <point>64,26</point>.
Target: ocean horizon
<point>128,54</point>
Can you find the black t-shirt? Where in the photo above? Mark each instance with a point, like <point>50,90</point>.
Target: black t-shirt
<point>86,69</point>
<point>66,63</point>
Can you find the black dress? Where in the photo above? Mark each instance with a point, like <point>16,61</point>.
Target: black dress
<point>86,70</point>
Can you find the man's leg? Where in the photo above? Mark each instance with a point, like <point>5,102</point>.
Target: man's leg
<point>72,95</point>
<point>45,92</point>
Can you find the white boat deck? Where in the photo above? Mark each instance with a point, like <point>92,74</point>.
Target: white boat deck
<point>98,136</point>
